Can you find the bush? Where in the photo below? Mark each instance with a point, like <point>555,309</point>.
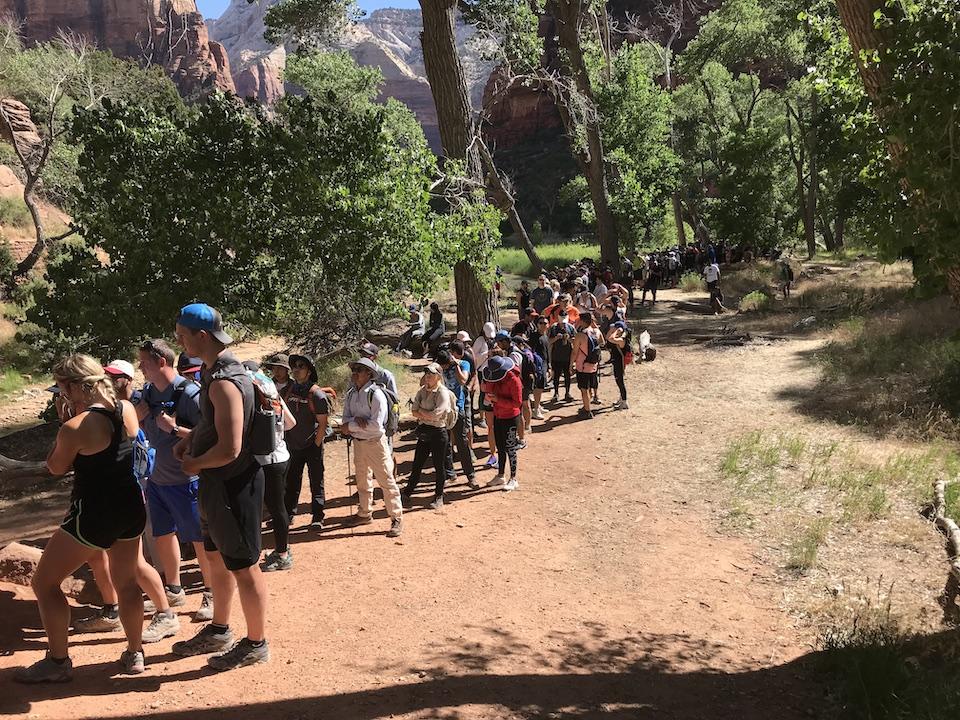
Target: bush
<point>757,301</point>
<point>14,213</point>
<point>516,262</point>
<point>692,282</point>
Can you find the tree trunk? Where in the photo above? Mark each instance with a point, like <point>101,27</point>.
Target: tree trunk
<point>678,219</point>
<point>814,184</point>
<point>475,303</point>
<point>40,244</point>
<point>839,225</point>
<point>567,14</point>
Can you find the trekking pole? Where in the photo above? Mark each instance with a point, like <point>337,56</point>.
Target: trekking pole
<point>349,444</point>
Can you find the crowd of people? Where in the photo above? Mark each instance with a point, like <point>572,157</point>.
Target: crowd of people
<point>228,443</point>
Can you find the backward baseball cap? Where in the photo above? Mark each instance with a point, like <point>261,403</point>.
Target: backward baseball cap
<point>200,316</point>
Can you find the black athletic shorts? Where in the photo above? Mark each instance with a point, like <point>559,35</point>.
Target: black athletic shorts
<point>98,521</point>
<point>527,389</point>
<point>588,381</point>
<point>231,512</point>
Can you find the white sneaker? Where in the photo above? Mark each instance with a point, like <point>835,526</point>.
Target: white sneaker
<point>538,414</point>
<point>512,484</point>
<point>163,625</point>
<point>496,482</point>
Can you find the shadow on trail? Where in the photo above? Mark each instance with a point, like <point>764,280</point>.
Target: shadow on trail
<point>588,673</point>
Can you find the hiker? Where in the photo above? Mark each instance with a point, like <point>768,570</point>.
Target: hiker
<point>481,351</point>
<point>121,376</point>
<point>523,297</point>
<point>278,365</point>
<point>561,337</point>
<point>626,277</point>
<point>414,333</point>
<point>711,273</point>
<point>365,416</point>
<point>502,385</point>
<point>528,378</point>
<point>310,407</point>
<point>274,466</point>
<point>106,513</point>
<point>435,329</point>
<point>526,323</point>
<point>431,407</point>
<point>562,306</point>
<point>510,349</point>
<point>540,345</point>
<point>457,377</point>
<point>230,493</point>
<point>617,336</point>
<point>654,277</point>
<point>382,376</point>
<point>585,359</point>
<point>786,278</point>
<point>584,300</point>
<point>461,349</point>
<point>169,409</point>
<point>541,297</point>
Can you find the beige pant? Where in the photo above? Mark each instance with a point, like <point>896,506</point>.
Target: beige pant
<point>375,456</point>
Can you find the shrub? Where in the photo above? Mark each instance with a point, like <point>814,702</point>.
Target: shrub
<point>691,282</point>
<point>757,301</point>
<point>14,213</point>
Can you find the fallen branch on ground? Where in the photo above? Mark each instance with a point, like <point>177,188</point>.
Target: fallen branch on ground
<point>951,531</point>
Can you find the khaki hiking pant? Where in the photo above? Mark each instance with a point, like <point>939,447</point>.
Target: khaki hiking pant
<point>375,456</point>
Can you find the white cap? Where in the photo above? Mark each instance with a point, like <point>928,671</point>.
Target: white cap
<point>489,330</point>
<point>463,336</point>
<point>119,367</point>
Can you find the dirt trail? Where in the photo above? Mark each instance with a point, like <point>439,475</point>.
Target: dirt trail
<point>600,589</point>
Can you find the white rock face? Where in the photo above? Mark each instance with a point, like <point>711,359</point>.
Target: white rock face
<point>388,39</point>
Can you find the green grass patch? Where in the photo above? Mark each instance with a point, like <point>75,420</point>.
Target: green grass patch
<point>804,549</point>
<point>516,262</point>
<point>692,282</point>
<point>14,213</point>
<point>11,381</point>
<point>756,301</point>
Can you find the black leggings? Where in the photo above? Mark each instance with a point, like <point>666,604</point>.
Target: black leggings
<point>310,457</point>
<point>505,434</point>
<point>558,370</point>
<point>430,441</point>
<point>616,361</point>
<point>274,488</point>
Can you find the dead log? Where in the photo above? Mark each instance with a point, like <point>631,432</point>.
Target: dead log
<point>951,531</point>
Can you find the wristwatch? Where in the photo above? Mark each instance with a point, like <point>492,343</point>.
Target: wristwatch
<point>176,431</point>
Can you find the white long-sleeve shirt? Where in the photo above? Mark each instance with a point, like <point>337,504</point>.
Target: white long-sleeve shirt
<point>480,352</point>
<point>370,404</point>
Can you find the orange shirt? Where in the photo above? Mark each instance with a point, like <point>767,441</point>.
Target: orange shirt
<point>553,312</point>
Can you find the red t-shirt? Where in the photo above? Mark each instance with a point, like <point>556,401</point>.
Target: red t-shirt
<point>509,394</point>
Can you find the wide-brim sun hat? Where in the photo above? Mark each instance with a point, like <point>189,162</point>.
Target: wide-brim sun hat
<point>497,368</point>
<point>310,364</point>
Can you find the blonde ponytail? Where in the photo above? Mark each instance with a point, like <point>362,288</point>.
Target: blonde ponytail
<point>86,372</point>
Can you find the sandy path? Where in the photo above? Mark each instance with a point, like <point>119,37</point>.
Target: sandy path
<point>600,589</point>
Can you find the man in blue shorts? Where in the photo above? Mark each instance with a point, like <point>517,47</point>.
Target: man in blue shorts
<point>168,410</point>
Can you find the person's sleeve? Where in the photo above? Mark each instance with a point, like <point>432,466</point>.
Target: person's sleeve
<point>321,404</point>
<point>415,406</point>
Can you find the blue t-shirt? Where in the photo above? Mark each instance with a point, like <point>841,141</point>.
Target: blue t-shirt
<point>452,382</point>
<point>167,470</point>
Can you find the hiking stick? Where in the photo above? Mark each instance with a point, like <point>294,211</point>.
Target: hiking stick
<point>349,445</point>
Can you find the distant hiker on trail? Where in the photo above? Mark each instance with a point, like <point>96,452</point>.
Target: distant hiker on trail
<point>626,276</point>
<point>502,385</point>
<point>585,359</point>
<point>711,273</point>
<point>414,332</point>
<point>561,348</point>
<point>654,278</point>
<point>106,513</point>
<point>168,411</point>
<point>431,407</point>
<point>310,407</point>
<point>584,300</point>
<point>435,329</point>
<point>562,306</point>
<point>541,297</point>
<point>365,415</point>
<point>786,278</point>
<point>230,493</point>
<point>457,376</point>
<point>275,466</point>
<point>523,297</point>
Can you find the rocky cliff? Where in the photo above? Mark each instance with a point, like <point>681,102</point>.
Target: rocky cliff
<point>170,33</point>
<point>388,39</point>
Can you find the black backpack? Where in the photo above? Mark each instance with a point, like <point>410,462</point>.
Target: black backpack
<point>593,350</point>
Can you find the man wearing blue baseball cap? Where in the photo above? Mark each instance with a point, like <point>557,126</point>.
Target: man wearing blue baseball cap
<point>230,492</point>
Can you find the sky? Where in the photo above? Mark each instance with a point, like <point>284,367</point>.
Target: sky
<point>214,8</point>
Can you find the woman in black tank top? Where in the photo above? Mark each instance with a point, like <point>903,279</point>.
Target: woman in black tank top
<point>106,512</point>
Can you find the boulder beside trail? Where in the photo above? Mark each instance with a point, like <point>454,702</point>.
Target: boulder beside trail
<point>18,563</point>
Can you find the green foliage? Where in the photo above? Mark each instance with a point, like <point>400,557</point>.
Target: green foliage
<point>14,213</point>
<point>7,263</point>
<point>756,301</point>
<point>805,548</point>
<point>516,262</point>
<point>311,23</point>
<point>309,222</point>
<point>336,75</point>
<point>692,282</point>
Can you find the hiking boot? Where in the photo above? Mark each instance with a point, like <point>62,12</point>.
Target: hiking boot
<point>205,612</point>
<point>568,398</point>
<point>275,561</point>
<point>595,401</point>
<point>174,599</point>
<point>538,414</point>
<point>496,482</point>
<point>406,500</point>
<point>511,485</point>
<point>396,528</point>
<point>163,625</point>
<point>97,623</point>
<point>240,655</point>
<point>133,663</point>
<point>473,484</point>
<point>45,671</point>
<point>491,461</point>
<point>207,640</point>
<point>436,504</point>
<point>359,519</point>
<point>621,405</point>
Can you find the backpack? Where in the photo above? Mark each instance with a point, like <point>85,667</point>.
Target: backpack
<point>144,457</point>
<point>263,434</point>
<point>178,393</point>
<point>539,364</point>
<point>592,356</point>
<point>453,415</point>
<point>528,367</point>
<point>392,423</point>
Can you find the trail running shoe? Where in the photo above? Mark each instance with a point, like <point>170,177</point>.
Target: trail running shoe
<point>163,625</point>
<point>436,504</point>
<point>206,641</point>
<point>240,655</point>
<point>97,623</point>
<point>45,671</point>
<point>521,444</point>
<point>133,662</point>
<point>275,561</point>
<point>359,519</point>
<point>511,484</point>
<point>538,414</point>
<point>473,484</point>
<point>491,461</point>
<point>176,599</point>
<point>396,528</point>
<point>205,612</point>
<point>496,482</point>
